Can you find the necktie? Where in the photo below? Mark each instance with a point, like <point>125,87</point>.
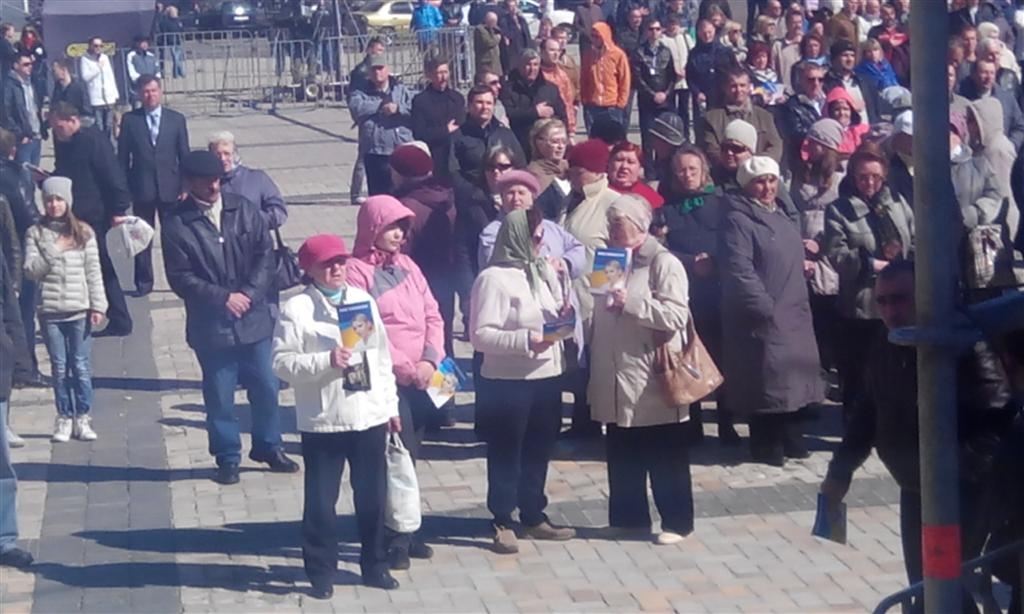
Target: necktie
<point>154,127</point>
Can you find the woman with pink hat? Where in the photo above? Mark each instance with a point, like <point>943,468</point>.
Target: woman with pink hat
<point>346,403</point>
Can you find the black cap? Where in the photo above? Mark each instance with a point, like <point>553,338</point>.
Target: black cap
<point>608,130</point>
<point>840,47</point>
<point>669,127</point>
<point>201,163</point>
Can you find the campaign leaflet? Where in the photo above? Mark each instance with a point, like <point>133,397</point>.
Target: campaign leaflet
<point>445,382</point>
<point>611,267</point>
<point>357,328</point>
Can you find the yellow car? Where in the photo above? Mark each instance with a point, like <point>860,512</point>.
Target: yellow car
<point>388,16</point>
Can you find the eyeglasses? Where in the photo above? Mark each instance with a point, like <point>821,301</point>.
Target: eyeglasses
<point>500,167</point>
<point>814,79</point>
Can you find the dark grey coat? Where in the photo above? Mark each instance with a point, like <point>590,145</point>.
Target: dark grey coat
<point>770,356</point>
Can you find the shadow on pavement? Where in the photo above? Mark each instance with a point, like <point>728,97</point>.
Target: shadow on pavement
<point>145,384</point>
<point>53,473</point>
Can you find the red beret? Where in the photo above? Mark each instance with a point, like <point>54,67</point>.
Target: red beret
<point>321,248</point>
<point>410,160</point>
<point>591,155</point>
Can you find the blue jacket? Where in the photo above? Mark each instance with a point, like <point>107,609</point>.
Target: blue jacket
<point>425,19</point>
<point>381,134</point>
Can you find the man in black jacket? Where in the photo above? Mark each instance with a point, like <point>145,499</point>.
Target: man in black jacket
<point>86,156</point>
<point>69,88</point>
<point>654,76</point>
<point>17,189</point>
<point>437,112</point>
<point>516,37</point>
<point>887,420</point>
<point>21,109</point>
<point>152,143</point>
<point>863,91</point>
<point>528,97</point>
<point>219,259</point>
<point>478,135</point>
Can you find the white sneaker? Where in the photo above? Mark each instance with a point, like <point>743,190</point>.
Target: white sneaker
<point>13,440</point>
<point>83,430</point>
<point>668,538</point>
<point>62,430</point>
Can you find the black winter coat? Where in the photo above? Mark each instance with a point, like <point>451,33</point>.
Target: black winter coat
<point>692,223</point>
<point>205,266</point>
<point>795,118</point>
<point>886,416</point>
<point>867,90</point>
<point>470,145</point>
<point>98,183</point>
<point>12,333</point>
<point>431,112</point>
<point>517,31</point>
<point>520,99</point>
<point>17,187</point>
<point>475,209</point>
<point>74,94</point>
<point>770,353</point>
<point>653,72</point>
<point>705,62</point>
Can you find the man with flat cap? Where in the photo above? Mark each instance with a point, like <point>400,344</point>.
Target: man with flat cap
<point>219,258</point>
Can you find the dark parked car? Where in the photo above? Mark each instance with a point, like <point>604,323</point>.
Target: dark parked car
<point>233,14</point>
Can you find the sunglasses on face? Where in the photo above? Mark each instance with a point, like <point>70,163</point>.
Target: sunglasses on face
<point>500,167</point>
<point>733,148</point>
<point>814,79</point>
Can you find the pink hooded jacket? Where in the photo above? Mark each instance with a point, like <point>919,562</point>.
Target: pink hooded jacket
<point>411,318</point>
<point>854,133</point>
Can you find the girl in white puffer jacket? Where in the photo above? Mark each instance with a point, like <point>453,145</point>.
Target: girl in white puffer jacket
<point>61,253</point>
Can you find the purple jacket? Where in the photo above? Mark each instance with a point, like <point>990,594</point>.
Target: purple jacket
<point>257,187</point>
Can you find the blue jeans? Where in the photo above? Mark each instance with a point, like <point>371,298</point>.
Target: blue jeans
<point>221,370</point>
<point>104,117</point>
<point>8,489</point>
<point>177,62</point>
<point>70,343</point>
<point>30,152</point>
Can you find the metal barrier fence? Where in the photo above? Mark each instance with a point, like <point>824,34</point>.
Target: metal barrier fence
<point>976,574</point>
<point>210,71</point>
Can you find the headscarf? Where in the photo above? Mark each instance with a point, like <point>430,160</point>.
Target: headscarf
<point>514,248</point>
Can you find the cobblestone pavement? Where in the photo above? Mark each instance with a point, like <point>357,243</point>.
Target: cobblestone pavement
<point>132,523</point>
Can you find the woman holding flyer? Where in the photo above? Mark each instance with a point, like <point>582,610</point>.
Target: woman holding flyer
<point>345,405</point>
<point>519,397</point>
<point>414,324</point>
<point>646,436</point>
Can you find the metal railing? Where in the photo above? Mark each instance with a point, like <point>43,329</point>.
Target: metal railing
<point>976,574</point>
<point>208,71</point>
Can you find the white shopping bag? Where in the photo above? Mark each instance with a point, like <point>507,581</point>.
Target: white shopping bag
<point>402,512</point>
<point>124,242</point>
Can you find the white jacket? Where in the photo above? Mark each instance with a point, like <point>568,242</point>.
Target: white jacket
<point>504,313</point>
<point>70,280</point>
<point>304,336</point>
<point>98,76</point>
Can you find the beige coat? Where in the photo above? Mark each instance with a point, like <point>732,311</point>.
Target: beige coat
<point>622,388</point>
<point>70,280</point>
<point>588,222</point>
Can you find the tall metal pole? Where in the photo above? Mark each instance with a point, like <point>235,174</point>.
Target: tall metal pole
<point>935,213</point>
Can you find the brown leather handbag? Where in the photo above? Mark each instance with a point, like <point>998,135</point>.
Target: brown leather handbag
<point>686,376</point>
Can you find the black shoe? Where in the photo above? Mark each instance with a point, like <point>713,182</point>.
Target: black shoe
<point>768,455</point>
<point>793,447</point>
<point>381,579</point>
<point>112,331</point>
<point>36,380</point>
<point>322,591</point>
<point>227,474</point>
<point>15,557</point>
<point>279,463</point>
<point>420,550</point>
<point>728,436</point>
<point>581,432</point>
<point>398,559</point>
<point>143,290</point>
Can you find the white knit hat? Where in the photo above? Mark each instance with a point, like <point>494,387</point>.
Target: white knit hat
<point>59,187</point>
<point>755,167</point>
<point>741,132</point>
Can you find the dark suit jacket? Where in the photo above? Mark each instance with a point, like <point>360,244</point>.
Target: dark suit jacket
<point>152,171</point>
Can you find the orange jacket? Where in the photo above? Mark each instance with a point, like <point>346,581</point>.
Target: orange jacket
<point>604,78</point>
<point>560,79</point>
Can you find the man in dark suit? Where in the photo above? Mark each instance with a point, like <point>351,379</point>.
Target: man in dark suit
<point>151,146</point>
<point>86,156</point>
<point>219,258</point>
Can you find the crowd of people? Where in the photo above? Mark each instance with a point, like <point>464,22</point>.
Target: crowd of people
<point>766,210</point>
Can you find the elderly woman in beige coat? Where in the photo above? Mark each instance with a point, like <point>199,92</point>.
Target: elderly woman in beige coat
<point>646,435</point>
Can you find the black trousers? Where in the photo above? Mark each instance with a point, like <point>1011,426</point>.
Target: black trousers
<point>378,174</point>
<point>520,420</point>
<point>117,308</point>
<point>415,409</point>
<point>578,380</point>
<point>682,104</point>
<point>144,260</point>
<point>325,455</point>
<point>659,452</point>
<point>826,319</point>
<point>769,431</point>
<point>442,286</point>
